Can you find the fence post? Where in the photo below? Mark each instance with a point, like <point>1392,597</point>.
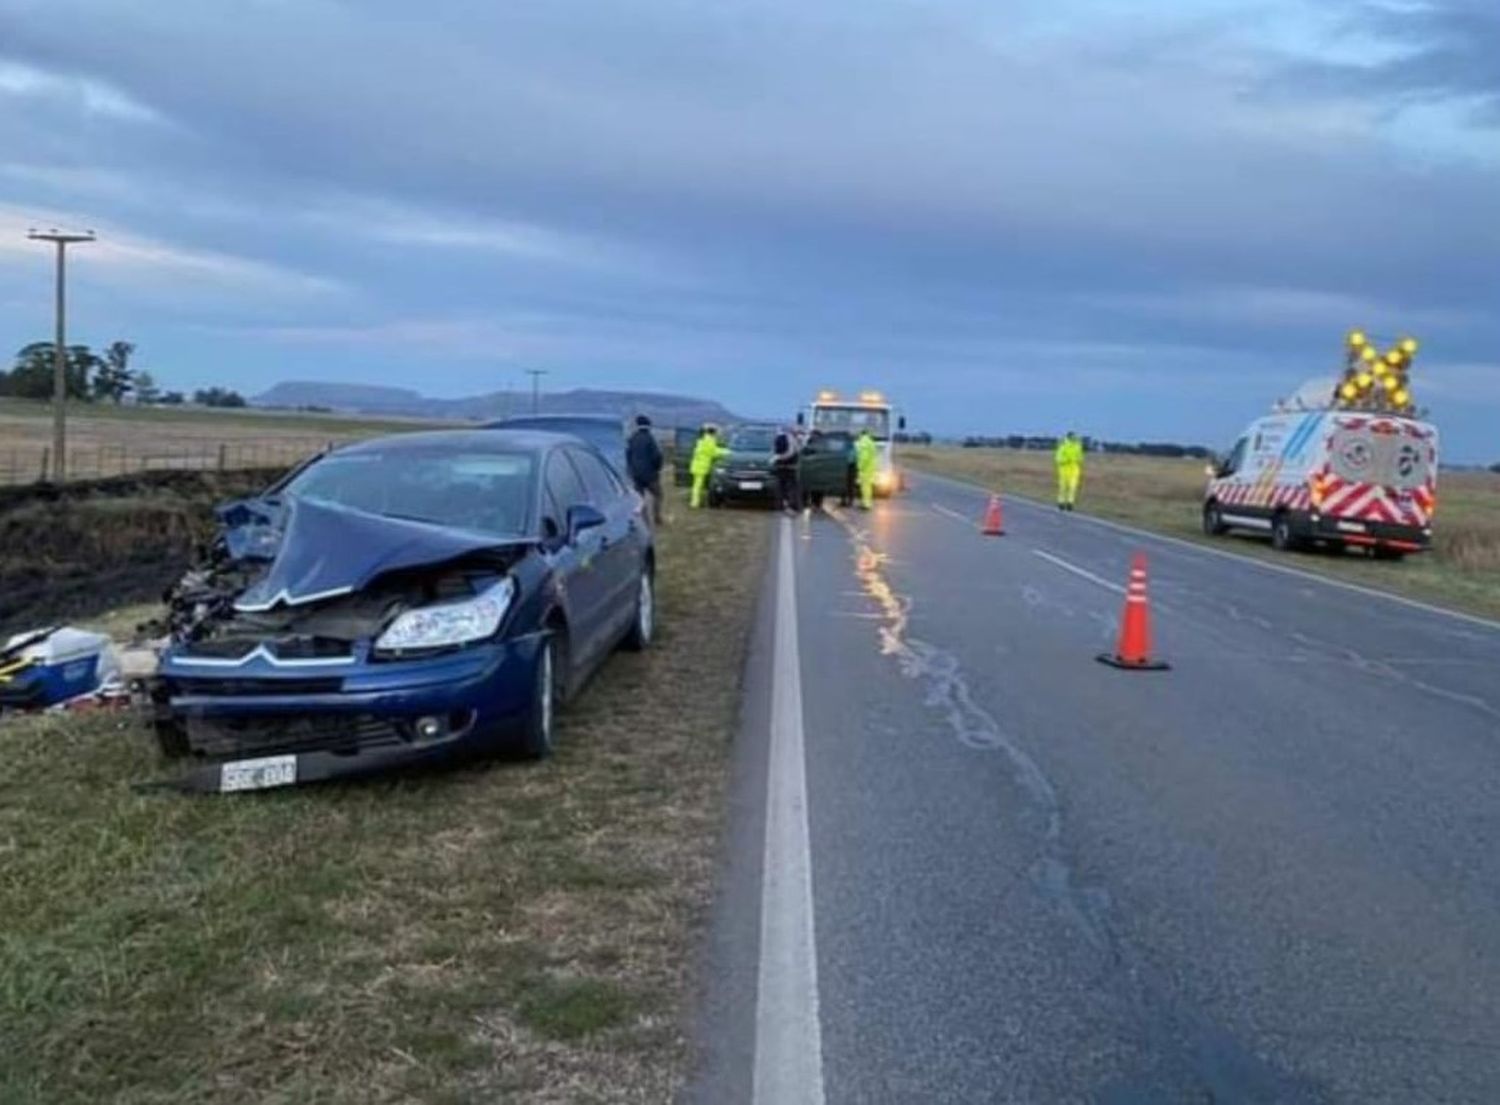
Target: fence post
<point>46,463</point>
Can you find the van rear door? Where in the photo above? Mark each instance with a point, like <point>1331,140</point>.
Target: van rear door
<point>1381,471</point>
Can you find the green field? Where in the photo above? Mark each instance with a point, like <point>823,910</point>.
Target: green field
<point>1462,571</point>
<point>502,931</point>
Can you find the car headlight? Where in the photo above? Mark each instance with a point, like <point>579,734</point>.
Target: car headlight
<point>886,480</point>
<point>449,623</point>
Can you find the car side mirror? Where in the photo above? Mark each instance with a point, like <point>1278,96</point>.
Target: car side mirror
<point>581,519</point>
<point>801,419</point>
<point>901,422</point>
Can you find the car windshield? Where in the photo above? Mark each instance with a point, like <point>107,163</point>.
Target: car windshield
<point>853,419</point>
<point>483,492</point>
<point>753,439</point>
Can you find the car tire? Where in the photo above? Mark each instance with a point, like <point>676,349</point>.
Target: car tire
<point>538,739</point>
<point>1282,537</point>
<point>1213,521</point>
<point>643,624</point>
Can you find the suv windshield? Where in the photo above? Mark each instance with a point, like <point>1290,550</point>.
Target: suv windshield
<point>753,439</point>
<point>484,492</point>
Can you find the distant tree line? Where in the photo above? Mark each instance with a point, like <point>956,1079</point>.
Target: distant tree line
<point>98,378</point>
<point>903,437</point>
<point>1093,445</point>
<point>1495,468</point>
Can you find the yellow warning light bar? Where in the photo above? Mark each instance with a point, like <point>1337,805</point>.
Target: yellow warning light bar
<point>871,397</point>
<point>826,396</point>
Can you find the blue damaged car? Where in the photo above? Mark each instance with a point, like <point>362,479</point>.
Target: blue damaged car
<point>402,600</point>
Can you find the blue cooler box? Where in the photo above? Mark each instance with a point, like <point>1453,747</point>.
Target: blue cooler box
<point>40,671</point>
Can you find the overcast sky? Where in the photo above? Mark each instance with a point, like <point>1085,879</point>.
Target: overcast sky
<point>1139,218</point>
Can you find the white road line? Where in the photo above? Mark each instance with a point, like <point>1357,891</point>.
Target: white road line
<point>1255,562</point>
<point>788,1036</point>
<point>1077,571</point>
<point>955,515</point>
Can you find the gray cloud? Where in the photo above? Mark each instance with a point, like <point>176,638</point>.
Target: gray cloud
<point>1439,51</point>
<point>776,190</point>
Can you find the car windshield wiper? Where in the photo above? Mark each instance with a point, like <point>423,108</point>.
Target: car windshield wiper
<point>409,518</point>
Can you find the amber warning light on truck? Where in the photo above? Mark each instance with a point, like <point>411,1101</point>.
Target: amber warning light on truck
<point>1375,381</point>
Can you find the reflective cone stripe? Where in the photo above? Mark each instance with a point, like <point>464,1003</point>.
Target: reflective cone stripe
<point>994,526</point>
<point>1134,648</point>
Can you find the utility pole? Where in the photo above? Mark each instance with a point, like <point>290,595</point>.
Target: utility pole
<point>60,350</point>
<point>536,375</point>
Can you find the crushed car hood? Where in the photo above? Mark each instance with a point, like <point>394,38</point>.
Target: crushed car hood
<point>318,551</point>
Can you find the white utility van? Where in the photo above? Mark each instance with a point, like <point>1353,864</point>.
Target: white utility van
<point>1339,477</point>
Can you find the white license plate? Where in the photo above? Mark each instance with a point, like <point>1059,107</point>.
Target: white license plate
<point>270,771</point>
<point>1351,527</point>
<point>752,485</point>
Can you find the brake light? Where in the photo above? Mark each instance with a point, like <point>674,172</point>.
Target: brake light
<point>1316,490</point>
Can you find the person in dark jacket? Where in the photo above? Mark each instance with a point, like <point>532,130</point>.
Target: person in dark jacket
<point>643,458</point>
<point>785,453</point>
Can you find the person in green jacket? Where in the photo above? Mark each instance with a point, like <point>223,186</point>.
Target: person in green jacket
<point>705,453</point>
<point>866,460</point>
<point>1069,459</point>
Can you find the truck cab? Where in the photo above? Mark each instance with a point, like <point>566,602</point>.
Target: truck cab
<point>830,414</point>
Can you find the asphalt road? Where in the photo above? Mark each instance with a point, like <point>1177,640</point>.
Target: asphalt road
<point>1268,875</point>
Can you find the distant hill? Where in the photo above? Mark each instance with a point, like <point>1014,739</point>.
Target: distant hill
<point>664,409</point>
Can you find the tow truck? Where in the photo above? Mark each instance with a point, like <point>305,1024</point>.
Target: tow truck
<point>829,414</point>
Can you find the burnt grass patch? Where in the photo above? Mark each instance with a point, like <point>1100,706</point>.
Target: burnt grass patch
<point>76,551</point>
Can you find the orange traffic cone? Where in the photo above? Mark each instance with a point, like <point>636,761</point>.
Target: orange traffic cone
<point>993,525</point>
<point>1134,649</point>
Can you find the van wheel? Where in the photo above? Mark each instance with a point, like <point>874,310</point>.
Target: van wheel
<point>1282,537</point>
<point>1213,521</point>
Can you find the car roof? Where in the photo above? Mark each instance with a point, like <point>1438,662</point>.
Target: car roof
<point>521,420</point>
<point>534,441</point>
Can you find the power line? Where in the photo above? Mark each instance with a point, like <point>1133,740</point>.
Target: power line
<point>62,240</point>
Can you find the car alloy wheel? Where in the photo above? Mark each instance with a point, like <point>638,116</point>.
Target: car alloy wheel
<point>645,615</point>
<point>546,696</point>
<point>539,726</point>
<point>644,626</point>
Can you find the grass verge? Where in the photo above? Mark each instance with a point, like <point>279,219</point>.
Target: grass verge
<point>1166,496</point>
<point>503,932</point>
